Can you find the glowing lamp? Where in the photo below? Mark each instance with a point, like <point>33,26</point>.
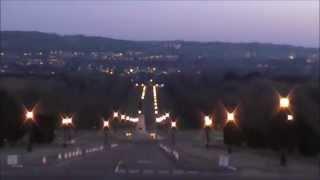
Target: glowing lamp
<point>66,121</point>
<point>290,117</point>
<point>284,102</point>
<point>115,114</point>
<point>153,135</point>
<point>158,120</point>
<point>230,116</point>
<point>29,115</point>
<point>173,124</point>
<point>207,121</point>
<point>106,124</point>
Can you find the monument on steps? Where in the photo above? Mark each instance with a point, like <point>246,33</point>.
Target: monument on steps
<point>141,126</point>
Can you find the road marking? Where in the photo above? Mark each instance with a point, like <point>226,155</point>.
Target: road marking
<point>175,154</point>
<point>114,145</point>
<point>148,171</point>
<point>116,170</point>
<point>231,168</point>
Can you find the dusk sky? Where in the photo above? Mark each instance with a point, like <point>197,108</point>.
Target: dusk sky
<point>282,22</point>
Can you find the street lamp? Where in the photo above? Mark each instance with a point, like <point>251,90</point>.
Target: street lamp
<point>284,102</point>
<point>29,120</point>
<point>105,124</point>
<point>230,117</point>
<point>173,131</point>
<point>173,124</point>
<point>115,114</point>
<point>29,115</point>
<point>207,126</point>
<point>106,127</point>
<point>66,125</point>
<point>230,131</point>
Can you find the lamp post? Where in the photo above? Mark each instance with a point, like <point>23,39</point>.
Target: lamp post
<point>207,126</point>
<point>106,127</point>
<point>284,104</point>
<point>229,131</point>
<point>29,117</point>
<point>173,131</point>
<point>115,114</point>
<point>66,125</point>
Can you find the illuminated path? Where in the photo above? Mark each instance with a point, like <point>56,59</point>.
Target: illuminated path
<point>139,160</point>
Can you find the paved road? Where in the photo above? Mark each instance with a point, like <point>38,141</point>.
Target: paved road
<point>126,160</point>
